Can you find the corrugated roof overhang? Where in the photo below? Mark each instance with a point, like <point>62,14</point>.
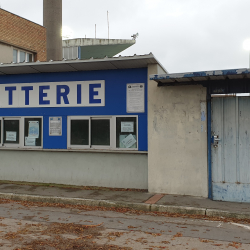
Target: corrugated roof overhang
<point>193,78</point>
<point>79,65</point>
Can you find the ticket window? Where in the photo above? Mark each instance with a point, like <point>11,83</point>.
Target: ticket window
<point>100,132</point>
<point>21,132</point>
<point>32,132</point>
<point>89,132</point>
<point>126,132</point>
<point>79,135</point>
<point>113,133</point>
<point>11,132</point>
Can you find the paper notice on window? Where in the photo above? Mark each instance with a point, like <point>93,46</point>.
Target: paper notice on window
<point>135,98</point>
<point>10,136</point>
<point>55,126</point>
<point>30,141</point>
<point>121,138</point>
<point>127,126</point>
<point>129,141</point>
<point>33,129</point>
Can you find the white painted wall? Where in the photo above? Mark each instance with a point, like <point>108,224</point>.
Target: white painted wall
<point>95,41</point>
<point>177,146</point>
<point>116,170</point>
<point>6,53</point>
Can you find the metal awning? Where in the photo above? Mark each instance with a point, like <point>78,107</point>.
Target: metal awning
<point>193,78</point>
<point>121,62</point>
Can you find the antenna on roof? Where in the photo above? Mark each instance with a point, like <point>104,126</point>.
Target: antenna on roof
<point>108,22</point>
<point>95,31</point>
<point>135,36</point>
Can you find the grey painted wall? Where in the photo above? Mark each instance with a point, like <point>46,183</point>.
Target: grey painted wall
<point>117,170</point>
<point>177,139</point>
<point>6,53</point>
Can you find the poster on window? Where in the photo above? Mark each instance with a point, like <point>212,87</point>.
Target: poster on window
<point>10,136</point>
<point>30,141</point>
<point>135,98</point>
<point>127,126</point>
<point>55,126</point>
<point>33,129</point>
<point>129,141</point>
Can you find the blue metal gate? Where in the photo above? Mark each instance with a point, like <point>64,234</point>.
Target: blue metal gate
<point>230,128</point>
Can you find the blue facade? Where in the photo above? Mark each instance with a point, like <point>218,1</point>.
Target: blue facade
<point>115,101</point>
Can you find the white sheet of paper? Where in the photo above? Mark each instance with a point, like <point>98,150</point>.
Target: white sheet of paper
<point>129,141</point>
<point>30,141</point>
<point>127,126</point>
<point>121,138</point>
<point>55,126</point>
<point>10,136</point>
<point>33,129</point>
<point>135,98</point>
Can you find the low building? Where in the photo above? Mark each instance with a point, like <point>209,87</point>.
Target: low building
<point>20,39</point>
<point>79,122</point>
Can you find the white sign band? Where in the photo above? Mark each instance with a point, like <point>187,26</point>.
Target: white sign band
<point>53,94</point>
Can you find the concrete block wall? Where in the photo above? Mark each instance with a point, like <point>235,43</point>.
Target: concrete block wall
<point>177,139</point>
<point>116,170</point>
<point>23,34</point>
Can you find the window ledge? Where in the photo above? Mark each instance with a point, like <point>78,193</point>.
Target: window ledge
<point>78,150</point>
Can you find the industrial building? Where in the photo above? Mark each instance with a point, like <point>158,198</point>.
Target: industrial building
<point>121,122</point>
<point>20,39</point>
<point>78,122</point>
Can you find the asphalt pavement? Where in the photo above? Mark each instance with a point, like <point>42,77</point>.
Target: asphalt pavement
<point>140,200</point>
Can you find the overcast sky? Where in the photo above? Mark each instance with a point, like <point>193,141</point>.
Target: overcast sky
<point>184,35</point>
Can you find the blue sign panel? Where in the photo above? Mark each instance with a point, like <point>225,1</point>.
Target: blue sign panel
<point>86,93</point>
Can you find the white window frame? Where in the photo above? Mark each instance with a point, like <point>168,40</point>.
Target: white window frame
<point>12,145</point>
<point>137,132</point>
<point>21,132</point>
<point>16,55</point>
<point>110,132</point>
<point>69,146</point>
<point>26,55</point>
<point>112,145</point>
<point>33,147</point>
<point>32,59</point>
